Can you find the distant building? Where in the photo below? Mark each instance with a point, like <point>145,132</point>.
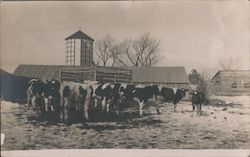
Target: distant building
<point>230,83</point>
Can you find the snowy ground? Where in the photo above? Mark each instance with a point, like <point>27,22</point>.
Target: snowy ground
<point>224,124</point>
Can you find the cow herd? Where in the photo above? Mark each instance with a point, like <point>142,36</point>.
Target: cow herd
<point>53,96</point>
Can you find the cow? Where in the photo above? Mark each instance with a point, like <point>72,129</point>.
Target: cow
<point>34,94</point>
<point>173,95</point>
<point>76,95</point>
<point>197,99</point>
<point>51,94</point>
<point>140,94</point>
<point>108,94</point>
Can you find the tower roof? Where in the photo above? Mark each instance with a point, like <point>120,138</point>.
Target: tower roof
<point>79,35</point>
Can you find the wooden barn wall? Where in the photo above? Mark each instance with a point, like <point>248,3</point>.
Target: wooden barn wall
<point>222,85</point>
<point>164,84</point>
<point>79,74</point>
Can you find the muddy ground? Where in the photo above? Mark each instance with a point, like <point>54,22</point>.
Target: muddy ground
<point>224,124</point>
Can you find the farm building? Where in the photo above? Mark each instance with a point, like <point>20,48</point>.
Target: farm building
<point>166,76</point>
<point>79,67</point>
<point>230,83</point>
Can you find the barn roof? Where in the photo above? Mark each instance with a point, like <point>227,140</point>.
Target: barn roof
<point>232,71</point>
<point>139,74</point>
<point>79,35</point>
<point>45,72</point>
<point>159,74</point>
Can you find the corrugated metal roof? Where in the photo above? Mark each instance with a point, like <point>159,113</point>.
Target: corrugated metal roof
<point>159,74</point>
<point>45,72</point>
<point>139,74</point>
<point>79,35</point>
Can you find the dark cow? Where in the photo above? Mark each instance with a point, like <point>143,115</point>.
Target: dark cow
<point>197,99</point>
<point>34,94</point>
<point>108,94</point>
<point>141,94</point>
<point>51,95</point>
<point>76,95</point>
<point>173,95</point>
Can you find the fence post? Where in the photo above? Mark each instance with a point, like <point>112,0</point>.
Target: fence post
<point>115,75</point>
<point>83,73</point>
<point>94,74</point>
<point>60,74</point>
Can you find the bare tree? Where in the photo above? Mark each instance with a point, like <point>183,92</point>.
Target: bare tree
<point>207,74</point>
<point>104,47</point>
<point>140,52</point>
<point>228,64</point>
<point>143,51</point>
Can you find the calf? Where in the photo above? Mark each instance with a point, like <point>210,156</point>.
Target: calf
<point>76,95</point>
<point>197,99</point>
<point>173,95</point>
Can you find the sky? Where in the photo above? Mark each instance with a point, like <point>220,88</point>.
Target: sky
<point>194,34</point>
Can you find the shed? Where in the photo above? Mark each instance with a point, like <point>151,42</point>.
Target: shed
<point>230,83</point>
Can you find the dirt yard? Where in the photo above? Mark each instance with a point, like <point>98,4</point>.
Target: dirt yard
<point>224,124</point>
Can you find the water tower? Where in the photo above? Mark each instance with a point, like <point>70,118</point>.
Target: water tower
<point>79,49</point>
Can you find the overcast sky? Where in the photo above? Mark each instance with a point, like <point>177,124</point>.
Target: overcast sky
<point>194,34</point>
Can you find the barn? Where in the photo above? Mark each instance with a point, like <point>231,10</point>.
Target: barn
<point>79,67</point>
<point>230,83</point>
<point>165,76</point>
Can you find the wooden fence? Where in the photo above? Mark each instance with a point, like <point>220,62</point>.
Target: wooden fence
<point>101,74</point>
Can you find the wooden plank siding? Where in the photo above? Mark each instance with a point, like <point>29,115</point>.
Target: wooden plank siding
<point>230,83</point>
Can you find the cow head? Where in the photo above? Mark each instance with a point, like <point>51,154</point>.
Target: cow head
<point>55,85</point>
<point>183,92</point>
<point>36,86</point>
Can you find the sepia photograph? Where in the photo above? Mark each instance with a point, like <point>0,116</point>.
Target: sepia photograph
<point>125,78</point>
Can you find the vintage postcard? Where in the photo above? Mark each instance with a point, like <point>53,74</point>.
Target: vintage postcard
<point>125,78</point>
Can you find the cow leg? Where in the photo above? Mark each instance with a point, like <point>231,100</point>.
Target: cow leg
<point>193,107</point>
<point>65,109</point>
<point>86,108</point>
<point>96,101</point>
<point>103,104</point>
<point>108,107</point>
<point>33,102</point>
<point>61,109</point>
<point>117,106</point>
<point>175,105</point>
<point>51,103</point>
<point>28,102</point>
<point>199,109</point>
<point>156,105</point>
<point>77,106</point>
<point>141,103</point>
<point>46,102</point>
<point>157,109</point>
<point>193,112</point>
